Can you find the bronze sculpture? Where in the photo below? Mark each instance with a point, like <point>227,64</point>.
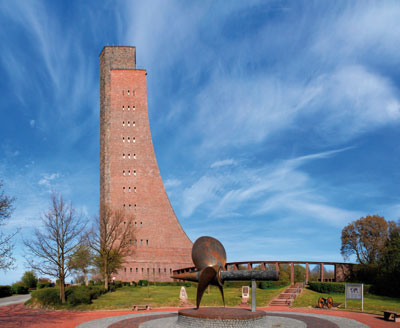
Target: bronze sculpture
<point>209,258</point>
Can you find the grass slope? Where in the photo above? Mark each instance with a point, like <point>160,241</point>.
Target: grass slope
<point>168,296</point>
<point>372,303</point>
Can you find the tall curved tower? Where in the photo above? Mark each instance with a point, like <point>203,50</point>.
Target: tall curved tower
<point>129,174</point>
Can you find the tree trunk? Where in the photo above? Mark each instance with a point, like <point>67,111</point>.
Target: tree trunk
<point>105,275</point>
<point>86,279</point>
<point>62,290</point>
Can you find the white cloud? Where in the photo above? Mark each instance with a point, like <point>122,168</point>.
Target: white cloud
<point>32,123</point>
<point>224,162</point>
<point>171,183</point>
<point>47,179</point>
<point>201,191</point>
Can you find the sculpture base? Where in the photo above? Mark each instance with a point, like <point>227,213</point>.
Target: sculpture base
<point>214,317</point>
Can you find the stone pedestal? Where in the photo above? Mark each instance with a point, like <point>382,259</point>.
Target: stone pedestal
<point>216,317</point>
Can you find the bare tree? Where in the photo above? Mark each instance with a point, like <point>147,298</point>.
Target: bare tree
<point>81,261</point>
<point>51,246</point>
<point>6,244</point>
<point>112,239</point>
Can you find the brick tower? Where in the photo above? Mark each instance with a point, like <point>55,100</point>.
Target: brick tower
<point>129,174</point>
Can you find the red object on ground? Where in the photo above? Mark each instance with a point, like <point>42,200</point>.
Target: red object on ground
<point>19,315</point>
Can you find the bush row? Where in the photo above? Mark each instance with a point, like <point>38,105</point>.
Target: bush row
<point>17,288</point>
<point>332,287</point>
<point>74,295</point>
<point>5,291</point>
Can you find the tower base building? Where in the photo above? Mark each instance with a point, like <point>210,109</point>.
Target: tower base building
<point>129,174</point>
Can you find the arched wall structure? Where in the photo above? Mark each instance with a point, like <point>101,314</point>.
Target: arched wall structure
<point>342,271</point>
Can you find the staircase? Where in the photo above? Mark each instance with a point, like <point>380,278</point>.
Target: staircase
<point>287,296</point>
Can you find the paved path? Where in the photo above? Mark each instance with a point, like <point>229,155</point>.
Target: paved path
<point>19,315</point>
<point>14,299</point>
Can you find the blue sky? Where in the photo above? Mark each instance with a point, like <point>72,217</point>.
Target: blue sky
<point>275,123</point>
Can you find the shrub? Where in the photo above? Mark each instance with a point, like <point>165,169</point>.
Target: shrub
<point>44,285</point>
<point>143,283</point>
<point>19,288</point>
<point>333,287</point>
<point>133,283</point>
<point>76,295</point>
<point>47,296</point>
<point>29,279</point>
<point>5,291</point>
<point>117,283</point>
<point>96,291</point>
<point>271,284</point>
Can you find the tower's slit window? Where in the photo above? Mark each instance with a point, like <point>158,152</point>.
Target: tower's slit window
<point>135,241</point>
<point>134,156</point>
<point>129,123</point>
<point>135,206</point>
<point>129,189</point>
<point>147,242</point>
<point>141,241</point>
<point>129,156</point>
<point>124,223</point>
<point>133,123</point>
<point>130,270</point>
<point>133,139</point>
<point>123,172</point>
<point>123,123</point>
<point>123,139</point>
<point>123,107</point>
<point>130,206</point>
<point>142,269</point>
<point>123,188</point>
<point>141,223</point>
<point>159,270</point>
<point>133,107</point>
<point>129,108</point>
<point>154,270</point>
<point>135,223</point>
<point>134,189</point>
<point>134,172</point>
<point>136,270</point>
<point>148,270</point>
<point>128,92</point>
<point>124,205</point>
<point>130,241</point>
<point>170,270</point>
<point>123,156</point>
<point>129,172</point>
<point>165,270</point>
<point>124,269</point>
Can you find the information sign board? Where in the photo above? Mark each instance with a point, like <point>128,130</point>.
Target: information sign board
<point>354,292</point>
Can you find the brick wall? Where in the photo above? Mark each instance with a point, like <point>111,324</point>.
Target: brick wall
<point>129,174</point>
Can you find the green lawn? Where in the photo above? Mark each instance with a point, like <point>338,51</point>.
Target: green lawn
<point>372,303</point>
<point>167,296</point>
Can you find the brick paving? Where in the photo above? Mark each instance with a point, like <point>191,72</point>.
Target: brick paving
<point>21,316</point>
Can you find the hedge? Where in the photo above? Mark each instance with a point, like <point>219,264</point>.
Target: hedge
<point>19,288</point>
<point>332,287</point>
<point>47,296</point>
<point>271,284</point>
<point>5,291</point>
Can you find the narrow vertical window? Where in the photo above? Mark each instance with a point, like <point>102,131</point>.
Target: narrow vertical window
<point>134,189</point>
<point>141,223</point>
<point>123,107</point>
<point>124,269</point>
<point>136,270</point>
<point>130,206</point>
<point>123,139</point>
<point>133,123</point>
<point>148,270</point>
<point>123,123</point>
<point>129,189</point>
<point>134,156</point>
<point>135,206</point>
<point>133,107</point>
<point>123,172</point>
<point>129,139</point>
<point>123,188</point>
<point>130,270</point>
<point>129,156</point>
<point>129,172</point>
<point>133,139</point>
<point>134,172</point>
<point>135,224</point>
<point>128,92</point>
<point>129,124</point>
<point>123,156</point>
<point>147,242</point>
<point>129,108</point>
